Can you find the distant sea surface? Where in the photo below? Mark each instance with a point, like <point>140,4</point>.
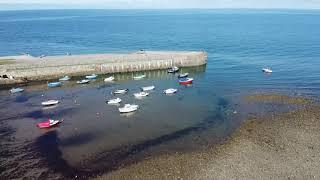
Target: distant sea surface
<point>94,138</point>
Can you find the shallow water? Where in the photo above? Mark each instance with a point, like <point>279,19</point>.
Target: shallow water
<point>95,138</point>
<point>92,128</point>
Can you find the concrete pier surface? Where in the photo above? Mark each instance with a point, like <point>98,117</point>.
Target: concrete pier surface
<point>21,69</point>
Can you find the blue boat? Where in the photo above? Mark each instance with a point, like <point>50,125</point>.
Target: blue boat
<point>16,90</point>
<point>54,84</point>
<point>92,76</point>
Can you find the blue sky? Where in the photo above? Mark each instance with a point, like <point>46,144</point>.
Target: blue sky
<point>158,4</point>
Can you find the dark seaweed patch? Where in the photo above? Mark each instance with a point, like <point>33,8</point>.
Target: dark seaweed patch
<point>46,147</point>
<point>77,139</point>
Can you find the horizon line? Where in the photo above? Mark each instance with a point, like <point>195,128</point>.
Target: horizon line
<point>186,8</point>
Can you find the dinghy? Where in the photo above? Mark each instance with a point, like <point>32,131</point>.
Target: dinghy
<point>109,79</point>
<point>128,108</point>
<point>49,123</point>
<point>54,84</point>
<point>173,69</point>
<point>266,70</point>
<point>114,101</point>
<point>141,94</point>
<point>16,90</point>
<point>92,76</point>
<point>120,91</point>
<point>139,77</point>
<point>50,102</point>
<point>148,88</point>
<point>186,81</point>
<point>184,75</point>
<point>65,78</point>
<point>170,91</point>
<point>84,81</point>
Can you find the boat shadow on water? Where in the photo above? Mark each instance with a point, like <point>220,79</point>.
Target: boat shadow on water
<point>47,147</point>
<point>47,157</point>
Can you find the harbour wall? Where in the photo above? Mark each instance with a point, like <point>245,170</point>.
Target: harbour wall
<point>25,69</point>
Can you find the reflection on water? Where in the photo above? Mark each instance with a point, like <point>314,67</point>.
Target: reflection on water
<point>94,136</point>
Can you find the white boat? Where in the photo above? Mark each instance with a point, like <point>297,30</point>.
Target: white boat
<point>109,79</point>
<point>184,75</point>
<point>173,69</point>
<point>141,94</point>
<point>128,108</point>
<point>170,91</point>
<point>50,102</point>
<point>16,90</point>
<point>92,76</point>
<point>139,77</point>
<point>120,91</point>
<point>84,81</point>
<point>65,78</point>
<point>266,70</point>
<point>114,101</point>
<point>148,88</point>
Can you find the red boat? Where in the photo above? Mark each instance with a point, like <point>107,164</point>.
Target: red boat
<point>186,81</point>
<point>48,124</point>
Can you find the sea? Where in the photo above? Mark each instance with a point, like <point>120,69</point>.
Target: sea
<point>95,138</point>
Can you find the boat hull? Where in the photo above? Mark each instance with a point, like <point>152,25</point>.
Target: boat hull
<point>114,101</point>
<point>173,70</point>
<point>141,94</point>
<point>93,76</point>
<point>109,79</point>
<point>125,109</point>
<point>83,82</point>
<point>47,124</point>
<point>16,90</point>
<point>149,88</point>
<point>183,75</point>
<point>185,82</point>
<point>50,103</point>
<point>170,91</point>
<point>66,78</point>
<point>55,84</point>
<point>122,91</point>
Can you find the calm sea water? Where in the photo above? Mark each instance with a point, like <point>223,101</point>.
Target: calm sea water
<point>94,138</point>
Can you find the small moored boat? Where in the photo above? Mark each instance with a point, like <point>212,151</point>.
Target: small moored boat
<point>139,77</point>
<point>84,81</point>
<point>49,123</point>
<point>186,81</point>
<point>184,75</point>
<point>65,78</point>
<point>114,101</point>
<point>173,69</point>
<point>54,84</point>
<point>109,79</point>
<point>50,102</point>
<point>128,108</point>
<point>92,76</point>
<point>141,94</point>
<point>170,91</point>
<point>16,90</point>
<point>266,70</point>
<point>120,91</point>
<point>148,88</point>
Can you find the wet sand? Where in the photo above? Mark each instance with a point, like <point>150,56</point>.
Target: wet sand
<point>274,146</point>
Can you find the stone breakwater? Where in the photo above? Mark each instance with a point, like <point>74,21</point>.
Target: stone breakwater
<point>27,68</point>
